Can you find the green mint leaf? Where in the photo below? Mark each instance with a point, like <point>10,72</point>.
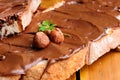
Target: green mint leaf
<point>46,22</point>
<point>51,28</point>
<point>42,28</point>
<point>46,25</point>
<point>53,25</point>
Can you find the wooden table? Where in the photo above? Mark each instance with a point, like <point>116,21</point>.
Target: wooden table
<point>105,68</point>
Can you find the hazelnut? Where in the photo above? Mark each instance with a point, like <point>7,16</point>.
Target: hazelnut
<point>56,35</point>
<point>40,40</point>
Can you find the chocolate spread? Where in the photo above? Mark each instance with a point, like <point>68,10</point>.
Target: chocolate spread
<point>81,22</point>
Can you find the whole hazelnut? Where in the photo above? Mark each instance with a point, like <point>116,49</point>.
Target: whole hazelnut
<point>40,40</point>
<point>56,35</point>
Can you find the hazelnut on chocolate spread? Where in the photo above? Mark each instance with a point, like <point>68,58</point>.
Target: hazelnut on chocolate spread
<point>41,40</point>
<point>46,31</point>
<point>81,23</point>
<point>56,36</point>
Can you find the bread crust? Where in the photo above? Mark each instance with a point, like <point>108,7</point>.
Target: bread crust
<point>35,72</point>
<point>62,70</point>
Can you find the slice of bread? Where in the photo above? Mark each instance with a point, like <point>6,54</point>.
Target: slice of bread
<point>63,69</point>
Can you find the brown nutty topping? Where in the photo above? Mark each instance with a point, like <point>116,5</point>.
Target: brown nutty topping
<point>56,36</point>
<point>41,40</point>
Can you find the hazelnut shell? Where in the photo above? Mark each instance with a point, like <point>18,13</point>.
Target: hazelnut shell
<point>40,40</point>
<point>56,36</point>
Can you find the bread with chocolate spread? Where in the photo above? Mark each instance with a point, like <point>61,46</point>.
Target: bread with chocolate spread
<point>88,34</point>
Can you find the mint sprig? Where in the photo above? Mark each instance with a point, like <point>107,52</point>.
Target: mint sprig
<point>46,25</point>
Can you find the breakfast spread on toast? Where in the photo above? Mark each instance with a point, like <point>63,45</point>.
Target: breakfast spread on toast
<point>51,44</point>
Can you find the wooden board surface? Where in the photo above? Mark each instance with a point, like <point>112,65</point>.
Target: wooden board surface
<point>105,68</point>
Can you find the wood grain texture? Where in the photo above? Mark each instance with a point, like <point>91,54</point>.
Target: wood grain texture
<point>105,68</point>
